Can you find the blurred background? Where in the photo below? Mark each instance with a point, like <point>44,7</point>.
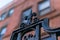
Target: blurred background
<point>13,12</point>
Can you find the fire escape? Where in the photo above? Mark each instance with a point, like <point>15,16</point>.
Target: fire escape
<point>36,26</point>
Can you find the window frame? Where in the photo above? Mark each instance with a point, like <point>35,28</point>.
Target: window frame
<point>49,8</point>
<point>3,30</point>
<point>2,35</point>
<point>5,26</point>
<point>9,14</point>
<point>3,16</point>
<point>30,8</point>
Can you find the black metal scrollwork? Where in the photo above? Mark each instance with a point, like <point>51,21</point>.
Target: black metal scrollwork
<point>36,26</point>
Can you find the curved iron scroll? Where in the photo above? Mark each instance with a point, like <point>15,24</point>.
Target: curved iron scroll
<point>45,25</point>
<point>52,32</point>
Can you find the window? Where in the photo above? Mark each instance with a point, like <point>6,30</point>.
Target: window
<point>44,7</point>
<point>3,16</point>
<point>2,32</point>
<point>26,16</point>
<point>10,12</point>
<point>0,18</point>
<point>27,12</point>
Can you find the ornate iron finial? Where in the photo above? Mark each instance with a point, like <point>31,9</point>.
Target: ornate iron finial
<point>22,25</point>
<point>35,17</point>
<point>34,14</point>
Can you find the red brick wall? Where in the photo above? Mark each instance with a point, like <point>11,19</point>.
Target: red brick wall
<point>20,6</point>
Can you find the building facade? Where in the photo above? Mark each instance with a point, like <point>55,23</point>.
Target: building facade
<point>12,15</point>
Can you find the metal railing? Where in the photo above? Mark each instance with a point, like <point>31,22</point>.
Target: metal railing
<point>36,26</point>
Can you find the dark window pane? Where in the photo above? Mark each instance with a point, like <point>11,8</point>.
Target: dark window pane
<point>3,16</point>
<point>26,16</point>
<point>10,12</point>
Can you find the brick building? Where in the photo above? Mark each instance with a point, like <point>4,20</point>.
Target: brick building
<point>12,14</point>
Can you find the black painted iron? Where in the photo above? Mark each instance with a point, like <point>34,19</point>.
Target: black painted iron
<point>36,26</point>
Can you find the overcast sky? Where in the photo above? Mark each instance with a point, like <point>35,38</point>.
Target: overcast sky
<point>4,2</point>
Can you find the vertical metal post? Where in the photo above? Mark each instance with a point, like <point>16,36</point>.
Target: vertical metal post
<point>53,36</point>
<point>37,33</point>
<point>14,36</point>
<point>19,36</point>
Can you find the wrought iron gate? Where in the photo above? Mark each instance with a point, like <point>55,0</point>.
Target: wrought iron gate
<point>36,26</point>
